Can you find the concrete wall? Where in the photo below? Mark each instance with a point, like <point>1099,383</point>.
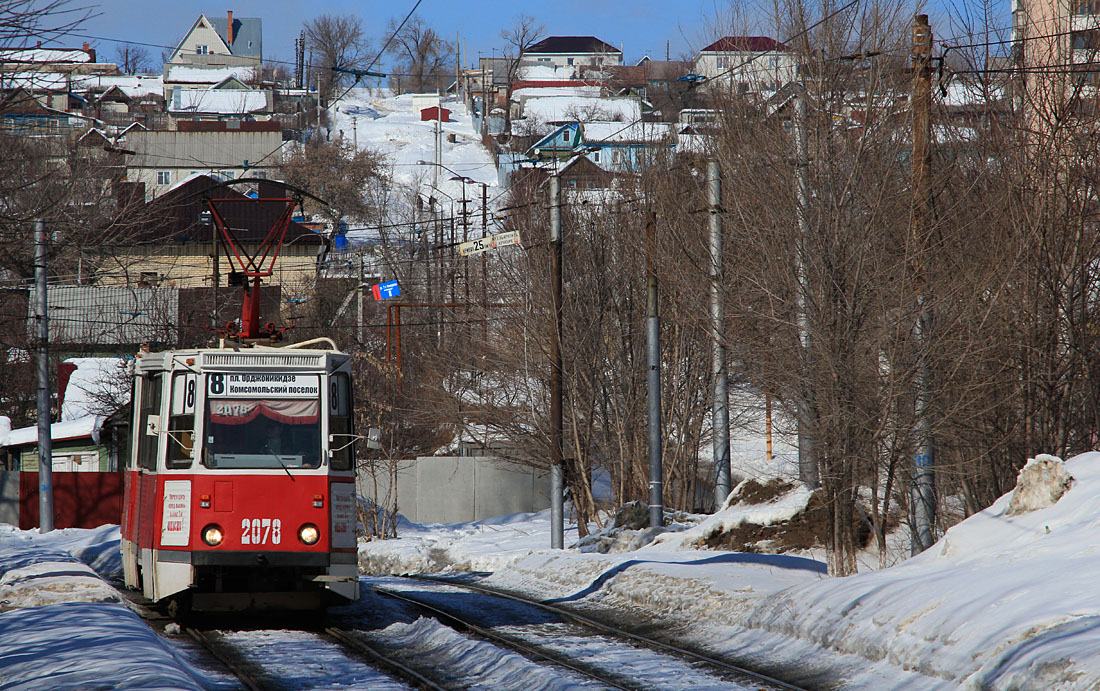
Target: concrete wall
<point>458,489</point>
<point>9,497</point>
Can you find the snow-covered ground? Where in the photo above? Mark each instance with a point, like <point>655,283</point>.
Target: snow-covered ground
<point>1000,602</point>
<point>391,126</point>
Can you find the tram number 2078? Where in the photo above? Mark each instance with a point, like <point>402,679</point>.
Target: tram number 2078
<point>258,531</point>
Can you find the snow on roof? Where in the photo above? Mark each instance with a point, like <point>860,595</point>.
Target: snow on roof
<point>87,426</point>
<point>44,55</point>
<point>191,74</point>
<point>132,85</point>
<point>223,101</point>
<point>523,93</point>
<point>36,81</point>
<point>562,108</point>
<point>100,385</point>
<point>626,132</point>
<point>544,72</point>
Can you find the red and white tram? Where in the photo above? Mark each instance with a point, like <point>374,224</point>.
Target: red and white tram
<point>240,488</point>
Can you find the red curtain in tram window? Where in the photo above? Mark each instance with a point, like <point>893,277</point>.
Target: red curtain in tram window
<point>241,412</point>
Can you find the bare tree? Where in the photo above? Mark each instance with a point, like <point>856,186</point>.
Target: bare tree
<point>132,59</point>
<point>425,61</point>
<point>336,41</point>
<point>523,34</point>
<point>337,174</point>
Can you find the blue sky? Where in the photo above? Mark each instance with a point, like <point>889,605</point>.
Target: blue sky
<point>640,27</point>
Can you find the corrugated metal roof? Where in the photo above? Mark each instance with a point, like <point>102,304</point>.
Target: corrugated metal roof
<point>206,150</point>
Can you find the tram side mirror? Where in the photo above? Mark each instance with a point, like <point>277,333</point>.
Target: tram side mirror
<point>152,425</point>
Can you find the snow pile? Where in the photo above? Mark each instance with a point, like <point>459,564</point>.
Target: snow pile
<point>999,602</point>
<point>62,626</point>
<point>1040,484</point>
<point>735,514</point>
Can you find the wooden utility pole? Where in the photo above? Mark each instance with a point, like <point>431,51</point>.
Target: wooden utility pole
<point>922,492</point>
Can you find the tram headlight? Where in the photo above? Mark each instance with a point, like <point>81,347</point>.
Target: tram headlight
<point>213,535</point>
<point>309,534</point>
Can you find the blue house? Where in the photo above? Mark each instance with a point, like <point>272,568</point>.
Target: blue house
<point>613,146</point>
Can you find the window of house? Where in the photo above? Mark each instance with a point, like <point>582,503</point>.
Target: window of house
<point>261,174</point>
<point>544,59</point>
<point>596,156</point>
<point>1086,40</point>
<point>569,62</point>
<point>202,50</point>
<point>565,135</point>
<point>164,177</point>
<point>229,175</point>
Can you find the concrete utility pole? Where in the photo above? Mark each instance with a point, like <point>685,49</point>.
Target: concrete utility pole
<point>807,465</point>
<point>45,441</point>
<point>557,513</point>
<point>922,498</point>
<point>720,412</point>
<point>653,378</point>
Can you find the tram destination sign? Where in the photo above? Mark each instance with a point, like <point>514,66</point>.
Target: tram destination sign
<point>262,385</point>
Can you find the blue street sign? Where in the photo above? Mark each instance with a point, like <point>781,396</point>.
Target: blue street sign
<point>389,289</point>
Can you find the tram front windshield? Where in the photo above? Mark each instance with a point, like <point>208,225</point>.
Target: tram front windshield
<point>263,433</point>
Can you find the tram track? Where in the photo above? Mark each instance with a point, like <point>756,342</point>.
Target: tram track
<point>508,642</point>
<point>690,656</point>
<point>244,665</point>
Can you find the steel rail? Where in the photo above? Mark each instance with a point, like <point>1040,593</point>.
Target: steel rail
<point>247,680</point>
<point>348,639</point>
<point>507,641</point>
<point>606,628</point>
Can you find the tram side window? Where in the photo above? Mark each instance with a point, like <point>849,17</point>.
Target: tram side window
<point>181,421</point>
<point>341,441</point>
<point>149,422</point>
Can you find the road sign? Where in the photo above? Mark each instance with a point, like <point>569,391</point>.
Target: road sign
<point>389,289</point>
<point>488,243</point>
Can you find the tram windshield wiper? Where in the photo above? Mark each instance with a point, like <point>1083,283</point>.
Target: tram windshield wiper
<point>280,461</point>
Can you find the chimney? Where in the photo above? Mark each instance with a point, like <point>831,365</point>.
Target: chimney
<point>90,51</point>
<point>229,31</point>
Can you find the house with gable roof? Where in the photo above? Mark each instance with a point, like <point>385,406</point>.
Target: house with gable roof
<point>747,64</point>
<point>570,51</point>
<point>218,41</point>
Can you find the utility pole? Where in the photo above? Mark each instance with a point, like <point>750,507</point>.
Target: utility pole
<point>807,465</point>
<point>45,441</point>
<point>557,514</point>
<point>922,498</point>
<point>653,378</point>
<point>720,412</point>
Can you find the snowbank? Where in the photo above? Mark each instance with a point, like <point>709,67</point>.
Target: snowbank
<point>61,626</point>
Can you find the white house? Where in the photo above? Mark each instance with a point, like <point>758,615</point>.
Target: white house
<point>569,51</point>
<point>747,63</point>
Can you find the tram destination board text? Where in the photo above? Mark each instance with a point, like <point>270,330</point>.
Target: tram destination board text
<point>222,385</point>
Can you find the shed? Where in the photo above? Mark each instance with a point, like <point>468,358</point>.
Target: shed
<point>435,113</point>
